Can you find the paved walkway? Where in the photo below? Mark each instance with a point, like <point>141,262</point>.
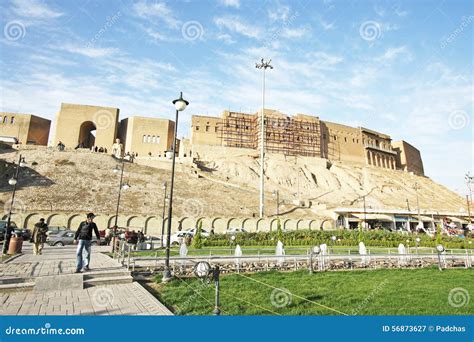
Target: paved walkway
<point>101,296</point>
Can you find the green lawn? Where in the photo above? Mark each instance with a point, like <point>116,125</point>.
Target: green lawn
<point>373,292</point>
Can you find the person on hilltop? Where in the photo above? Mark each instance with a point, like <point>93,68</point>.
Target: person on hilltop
<point>83,237</point>
<point>39,236</point>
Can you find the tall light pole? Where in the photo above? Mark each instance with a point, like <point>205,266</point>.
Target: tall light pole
<point>417,187</point>
<point>469,182</point>
<point>12,181</point>
<point>165,197</point>
<point>116,170</point>
<point>264,65</point>
<point>408,218</point>
<point>276,194</point>
<point>180,105</point>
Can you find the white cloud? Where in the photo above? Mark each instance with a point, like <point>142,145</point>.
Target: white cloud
<point>230,3</point>
<point>280,13</point>
<point>226,38</point>
<point>394,53</point>
<point>34,9</point>
<point>237,25</point>
<point>88,51</point>
<point>156,10</point>
<point>297,32</point>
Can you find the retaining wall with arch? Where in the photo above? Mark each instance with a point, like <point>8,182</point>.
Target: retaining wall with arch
<point>152,224</point>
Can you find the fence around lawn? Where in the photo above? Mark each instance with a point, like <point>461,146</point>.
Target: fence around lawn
<point>295,258</point>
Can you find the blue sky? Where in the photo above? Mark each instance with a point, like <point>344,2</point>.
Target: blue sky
<point>404,68</point>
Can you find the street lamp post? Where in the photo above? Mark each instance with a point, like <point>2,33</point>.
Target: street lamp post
<point>417,187</point>
<point>180,105</point>
<point>365,214</point>
<point>12,181</point>
<point>165,197</point>
<point>276,194</point>
<point>118,169</point>
<point>440,249</point>
<point>264,65</point>
<point>469,182</point>
<point>417,240</point>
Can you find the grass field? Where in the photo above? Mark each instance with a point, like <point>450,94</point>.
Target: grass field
<point>374,292</point>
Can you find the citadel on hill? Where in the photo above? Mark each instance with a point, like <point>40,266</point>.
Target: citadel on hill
<point>86,126</point>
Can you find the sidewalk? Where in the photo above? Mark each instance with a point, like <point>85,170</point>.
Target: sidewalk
<point>47,285</point>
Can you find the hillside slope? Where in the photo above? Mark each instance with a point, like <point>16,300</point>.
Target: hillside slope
<point>83,181</point>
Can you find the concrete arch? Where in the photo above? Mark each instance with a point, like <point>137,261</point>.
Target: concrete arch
<point>187,223</point>
<point>74,221</point>
<point>219,225</point>
<point>135,222</point>
<point>153,225</point>
<point>31,219</point>
<point>290,224</point>
<point>298,222</point>
<point>326,224</point>
<point>312,225</point>
<point>249,225</point>
<point>232,219</point>
<point>259,225</point>
<point>274,225</point>
<point>56,220</point>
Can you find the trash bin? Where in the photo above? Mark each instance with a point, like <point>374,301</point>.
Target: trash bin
<point>16,243</point>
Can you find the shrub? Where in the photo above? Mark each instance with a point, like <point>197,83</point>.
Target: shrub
<point>197,239</point>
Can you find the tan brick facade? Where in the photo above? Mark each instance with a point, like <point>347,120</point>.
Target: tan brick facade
<point>27,128</point>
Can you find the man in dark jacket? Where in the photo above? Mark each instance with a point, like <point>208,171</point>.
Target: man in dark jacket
<point>39,236</point>
<point>84,236</point>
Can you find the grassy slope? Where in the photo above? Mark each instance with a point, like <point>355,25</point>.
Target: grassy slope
<point>376,292</point>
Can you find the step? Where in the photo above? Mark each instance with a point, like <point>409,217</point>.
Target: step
<point>14,280</point>
<point>105,273</point>
<point>17,287</point>
<point>125,279</point>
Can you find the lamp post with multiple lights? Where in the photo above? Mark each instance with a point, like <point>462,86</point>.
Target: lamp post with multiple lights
<point>469,182</point>
<point>417,187</point>
<point>13,182</point>
<point>180,105</point>
<point>264,65</point>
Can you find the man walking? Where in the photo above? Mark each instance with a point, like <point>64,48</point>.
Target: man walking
<point>84,236</point>
<point>39,236</point>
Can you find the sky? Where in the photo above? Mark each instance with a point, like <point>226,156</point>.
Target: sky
<point>404,68</point>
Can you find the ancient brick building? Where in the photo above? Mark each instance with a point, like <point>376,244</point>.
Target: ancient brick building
<point>306,135</point>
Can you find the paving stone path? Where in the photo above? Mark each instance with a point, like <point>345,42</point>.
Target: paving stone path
<point>102,296</point>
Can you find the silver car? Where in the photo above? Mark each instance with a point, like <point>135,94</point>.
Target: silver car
<point>66,237</point>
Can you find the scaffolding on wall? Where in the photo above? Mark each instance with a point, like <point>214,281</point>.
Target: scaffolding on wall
<point>291,136</point>
<point>239,130</point>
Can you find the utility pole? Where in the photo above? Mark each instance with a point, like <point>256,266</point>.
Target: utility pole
<point>469,182</point>
<point>264,65</point>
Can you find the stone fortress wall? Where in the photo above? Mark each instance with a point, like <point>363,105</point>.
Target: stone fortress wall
<point>305,135</point>
<point>298,135</point>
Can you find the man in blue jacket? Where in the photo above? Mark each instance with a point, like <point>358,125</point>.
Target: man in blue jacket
<point>84,236</point>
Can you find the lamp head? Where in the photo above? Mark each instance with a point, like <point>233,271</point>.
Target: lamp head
<point>126,186</point>
<point>440,248</point>
<point>180,104</point>
<point>316,249</point>
<point>201,269</point>
<point>12,181</point>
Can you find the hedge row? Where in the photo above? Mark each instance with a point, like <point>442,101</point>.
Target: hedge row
<point>345,238</point>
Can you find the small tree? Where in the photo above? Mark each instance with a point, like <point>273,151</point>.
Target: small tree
<point>279,231</point>
<point>197,239</point>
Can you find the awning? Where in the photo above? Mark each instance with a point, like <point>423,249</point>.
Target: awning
<point>423,218</point>
<point>456,219</point>
<point>401,218</point>
<point>378,217</point>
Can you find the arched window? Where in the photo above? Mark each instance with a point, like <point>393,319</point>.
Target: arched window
<point>12,120</point>
<point>144,138</point>
<point>5,119</point>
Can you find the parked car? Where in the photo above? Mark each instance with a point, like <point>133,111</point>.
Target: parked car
<point>52,230</point>
<point>25,233</point>
<point>177,237</point>
<point>235,230</point>
<point>66,237</point>
<point>3,228</point>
